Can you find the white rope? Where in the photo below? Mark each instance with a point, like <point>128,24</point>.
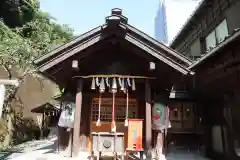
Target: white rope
<point>126,119</point>
<point>99,110</point>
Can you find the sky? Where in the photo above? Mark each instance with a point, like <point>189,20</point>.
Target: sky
<point>84,15</point>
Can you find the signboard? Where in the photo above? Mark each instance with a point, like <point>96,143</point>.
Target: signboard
<point>160,116</point>
<point>67,115</point>
<point>135,127</point>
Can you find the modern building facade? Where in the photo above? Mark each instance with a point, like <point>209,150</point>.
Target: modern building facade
<point>160,25</point>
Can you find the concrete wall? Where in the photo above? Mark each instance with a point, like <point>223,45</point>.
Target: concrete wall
<point>217,142</point>
<point>31,94</point>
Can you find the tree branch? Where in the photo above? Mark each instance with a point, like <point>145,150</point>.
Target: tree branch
<point>8,71</point>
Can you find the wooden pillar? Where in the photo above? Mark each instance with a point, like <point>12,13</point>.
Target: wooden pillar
<point>70,141</point>
<point>43,119</point>
<point>148,119</point>
<point>77,120</point>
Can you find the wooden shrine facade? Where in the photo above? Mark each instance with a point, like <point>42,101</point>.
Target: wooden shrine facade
<point>113,51</point>
<point>216,81</point>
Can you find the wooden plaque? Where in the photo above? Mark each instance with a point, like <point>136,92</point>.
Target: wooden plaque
<point>135,127</point>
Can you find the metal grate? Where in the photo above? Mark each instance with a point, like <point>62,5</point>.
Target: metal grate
<point>106,109</point>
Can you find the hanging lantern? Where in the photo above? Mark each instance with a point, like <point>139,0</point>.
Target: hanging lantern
<point>114,86</point>
<point>133,85</point>
<point>102,86</point>
<point>93,86</point>
<point>122,85</point>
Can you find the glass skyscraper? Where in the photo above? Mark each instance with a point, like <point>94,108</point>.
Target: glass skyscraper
<point>160,28</point>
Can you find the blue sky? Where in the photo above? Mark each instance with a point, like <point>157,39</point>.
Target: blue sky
<point>83,15</point>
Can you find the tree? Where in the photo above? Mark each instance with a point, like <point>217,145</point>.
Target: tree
<point>18,12</point>
<point>20,45</point>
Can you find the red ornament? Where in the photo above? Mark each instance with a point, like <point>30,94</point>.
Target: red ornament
<point>156,116</point>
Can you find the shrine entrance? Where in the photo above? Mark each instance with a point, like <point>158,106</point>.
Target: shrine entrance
<point>112,74</point>
<point>106,114</point>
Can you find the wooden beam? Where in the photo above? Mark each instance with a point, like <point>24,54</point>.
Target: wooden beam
<point>68,54</point>
<point>114,75</point>
<point>148,117</point>
<point>160,56</point>
<point>77,120</point>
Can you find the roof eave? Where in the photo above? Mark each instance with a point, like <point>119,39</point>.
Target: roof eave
<point>82,37</point>
<point>215,50</point>
<point>159,44</point>
<point>186,24</point>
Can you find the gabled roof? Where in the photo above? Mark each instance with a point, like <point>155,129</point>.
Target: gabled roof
<point>46,107</point>
<point>113,24</point>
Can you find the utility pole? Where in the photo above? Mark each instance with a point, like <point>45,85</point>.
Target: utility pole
<point>3,83</point>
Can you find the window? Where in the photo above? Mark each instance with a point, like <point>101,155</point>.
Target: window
<point>221,31</point>
<point>217,35</point>
<point>195,50</point>
<point>211,41</point>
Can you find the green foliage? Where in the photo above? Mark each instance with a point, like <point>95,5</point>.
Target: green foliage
<point>25,34</point>
<point>23,44</point>
<point>44,34</point>
<point>25,129</point>
<point>14,49</point>
<point>18,12</point>
<point>3,129</point>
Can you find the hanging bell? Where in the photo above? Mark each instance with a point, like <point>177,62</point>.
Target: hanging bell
<point>122,85</point>
<point>102,86</point>
<point>93,85</point>
<point>114,86</point>
<point>133,85</point>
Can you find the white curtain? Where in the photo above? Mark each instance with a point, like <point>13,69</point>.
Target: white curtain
<point>211,40</point>
<point>222,31</point>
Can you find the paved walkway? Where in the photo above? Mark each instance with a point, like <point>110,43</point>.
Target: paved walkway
<point>46,150</point>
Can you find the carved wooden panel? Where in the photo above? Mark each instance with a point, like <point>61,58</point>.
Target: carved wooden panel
<point>182,116</point>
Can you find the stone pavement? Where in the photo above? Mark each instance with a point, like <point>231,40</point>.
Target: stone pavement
<point>46,150</point>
